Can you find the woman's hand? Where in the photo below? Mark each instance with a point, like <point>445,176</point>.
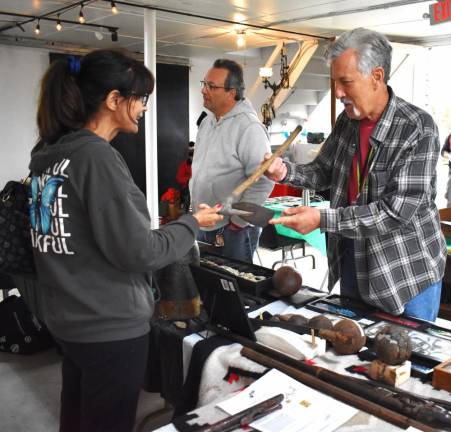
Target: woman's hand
<point>208,216</point>
<point>277,170</point>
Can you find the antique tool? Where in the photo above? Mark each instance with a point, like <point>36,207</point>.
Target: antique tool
<point>320,322</point>
<point>261,215</point>
<point>265,165</point>
<point>232,211</point>
<point>393,348</point>
<point>287,281</point>
<point>392,345</point>
<point>235,421</point>
<point>253,213</point>
<point>346,336</point>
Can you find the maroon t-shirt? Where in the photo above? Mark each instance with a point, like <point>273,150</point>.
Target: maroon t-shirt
<point>361,156</point>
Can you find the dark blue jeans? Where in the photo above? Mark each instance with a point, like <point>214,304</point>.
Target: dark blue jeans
<point>238,245</point>
<point>423,306</point>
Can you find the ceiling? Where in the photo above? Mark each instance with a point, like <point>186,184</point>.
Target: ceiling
<point>182,36</point>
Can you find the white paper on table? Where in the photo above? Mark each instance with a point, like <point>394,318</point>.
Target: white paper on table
<point>303,408</point>
<point>273,308</point>
<point>306,313</point>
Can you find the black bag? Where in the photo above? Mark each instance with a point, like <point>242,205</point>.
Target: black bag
<point>16,256</point>
<point>20,330</point>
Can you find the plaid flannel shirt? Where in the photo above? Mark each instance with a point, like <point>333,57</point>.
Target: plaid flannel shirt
<point>398,244</point>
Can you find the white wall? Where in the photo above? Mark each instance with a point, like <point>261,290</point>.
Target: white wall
<point>20,72</point>
<point>197,73</point>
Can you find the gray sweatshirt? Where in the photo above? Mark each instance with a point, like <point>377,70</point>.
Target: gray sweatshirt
<point>93,246</point>
<point>228,151</point>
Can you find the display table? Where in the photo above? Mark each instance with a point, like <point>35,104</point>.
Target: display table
<point>316,238</point>
<point>360,421</point>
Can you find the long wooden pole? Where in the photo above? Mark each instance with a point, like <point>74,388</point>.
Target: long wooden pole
<point>265,165</point>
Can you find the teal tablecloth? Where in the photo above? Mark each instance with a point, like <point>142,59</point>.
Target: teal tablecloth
<point>316,238</point>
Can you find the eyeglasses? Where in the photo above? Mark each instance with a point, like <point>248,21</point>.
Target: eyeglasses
<point>211,87</point>
<point>145,98</point>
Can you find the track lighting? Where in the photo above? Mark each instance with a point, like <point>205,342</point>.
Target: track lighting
<point>59,27</point>
<point>114,8</point>
<point>81,17</point>
<point>59,22</point>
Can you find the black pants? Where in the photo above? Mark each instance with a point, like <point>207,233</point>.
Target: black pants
<point>101,384</point>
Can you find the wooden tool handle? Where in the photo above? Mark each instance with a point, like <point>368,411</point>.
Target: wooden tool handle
<point>265,165</point>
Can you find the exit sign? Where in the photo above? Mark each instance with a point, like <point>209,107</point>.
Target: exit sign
<point>440,12</point>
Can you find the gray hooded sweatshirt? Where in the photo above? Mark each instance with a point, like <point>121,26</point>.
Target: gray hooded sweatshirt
<point>228,151</point>
<point>92,241</point>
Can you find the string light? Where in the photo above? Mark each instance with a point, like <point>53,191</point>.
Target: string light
<point>59,27</point>
<point>114,8</point>
<point>37,29</point>
<point>81,17</point>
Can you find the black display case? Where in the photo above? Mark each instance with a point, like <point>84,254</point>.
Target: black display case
<point>255,288</point>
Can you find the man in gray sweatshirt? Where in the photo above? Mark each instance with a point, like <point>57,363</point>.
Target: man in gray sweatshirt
<point>230,144</point>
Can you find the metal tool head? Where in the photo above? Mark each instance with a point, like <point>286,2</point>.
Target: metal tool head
<point>259,215</point>
<point>227,211</point>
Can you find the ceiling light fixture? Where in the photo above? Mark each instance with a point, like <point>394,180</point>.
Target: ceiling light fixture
<point>81,17</point>
<point>37,29</point>
<point>240,38</point>
<point>59,27</point>
<point>114,8</point>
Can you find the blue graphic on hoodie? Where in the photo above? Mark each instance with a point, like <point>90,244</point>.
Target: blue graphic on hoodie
<point>41,204</point>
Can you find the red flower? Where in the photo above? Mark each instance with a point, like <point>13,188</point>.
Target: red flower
<point>171,195</point>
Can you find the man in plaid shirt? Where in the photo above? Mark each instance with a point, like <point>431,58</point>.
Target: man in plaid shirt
<point>385,243</point>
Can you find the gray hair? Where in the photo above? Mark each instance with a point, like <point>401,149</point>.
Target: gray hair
<point>234,78</point>
<point>373,50</point>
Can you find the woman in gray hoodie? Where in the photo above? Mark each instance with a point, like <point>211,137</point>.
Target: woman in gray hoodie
<point>93,247</point>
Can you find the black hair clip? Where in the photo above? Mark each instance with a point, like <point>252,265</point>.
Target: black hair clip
<point>74,64</point>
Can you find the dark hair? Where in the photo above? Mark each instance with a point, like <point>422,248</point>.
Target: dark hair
<point>234,78</point>
<point>69,98</point>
